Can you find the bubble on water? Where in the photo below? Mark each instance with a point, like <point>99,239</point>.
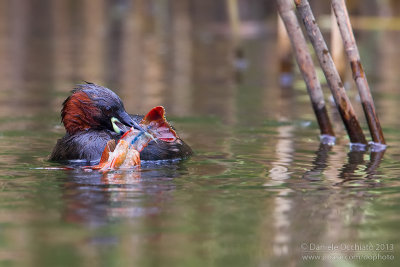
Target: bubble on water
<point>377,147</point>
<point>327,139</point>
<point>358,147</point>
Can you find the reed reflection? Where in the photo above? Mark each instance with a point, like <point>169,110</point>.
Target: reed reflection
<point>358,171</point>
<point>295,209</point>
<point>319,163</point>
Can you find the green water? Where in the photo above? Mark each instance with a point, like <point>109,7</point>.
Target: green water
<point>260,189</point>
<point>252,195</point>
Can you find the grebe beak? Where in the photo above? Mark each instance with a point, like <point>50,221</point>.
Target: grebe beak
<point>123,121</point>
<point>121,128</point>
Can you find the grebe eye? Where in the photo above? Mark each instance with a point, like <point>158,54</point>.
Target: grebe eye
<point>109,110</point>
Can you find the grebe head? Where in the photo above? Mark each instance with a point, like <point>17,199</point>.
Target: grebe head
<point>95,107</point>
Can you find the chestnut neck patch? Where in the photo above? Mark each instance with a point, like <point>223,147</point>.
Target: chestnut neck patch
<point>79,112</point>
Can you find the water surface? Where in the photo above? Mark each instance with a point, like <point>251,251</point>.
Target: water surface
<point>260,189</point>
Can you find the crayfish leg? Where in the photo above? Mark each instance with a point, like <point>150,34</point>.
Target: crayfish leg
<point>110,147</point>
<point>119,154</point>
<point>132,159</point>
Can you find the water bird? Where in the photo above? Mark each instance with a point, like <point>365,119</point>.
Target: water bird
<point>93,115</point>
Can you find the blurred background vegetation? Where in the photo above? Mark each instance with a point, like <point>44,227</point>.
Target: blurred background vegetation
<point>176,53</point>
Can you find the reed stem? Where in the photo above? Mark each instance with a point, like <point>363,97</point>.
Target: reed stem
<point>350,46</point>
<point>306,65</point>
<point>343,103</point>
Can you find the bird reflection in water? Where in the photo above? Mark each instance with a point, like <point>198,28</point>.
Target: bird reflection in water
<point>96,198</point>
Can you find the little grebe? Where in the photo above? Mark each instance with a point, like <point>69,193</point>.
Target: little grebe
<point>92,115</point>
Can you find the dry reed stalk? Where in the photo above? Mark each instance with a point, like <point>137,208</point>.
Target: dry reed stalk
<point>343,103</point>
<point>343,21</point>
<point>306,65</point>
